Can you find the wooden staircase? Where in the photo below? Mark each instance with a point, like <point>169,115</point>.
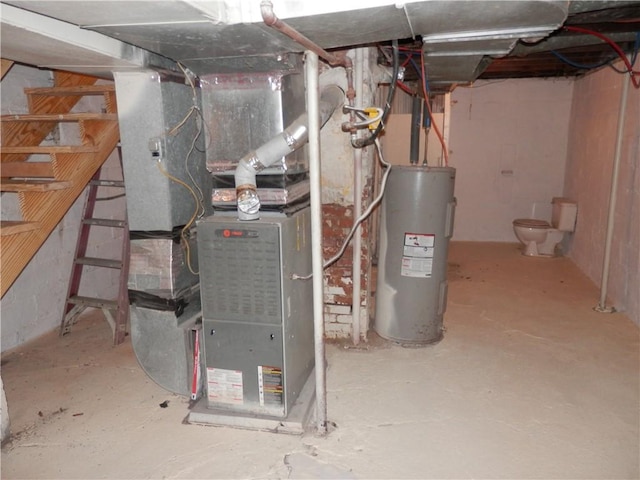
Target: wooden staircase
<point>47,189</point>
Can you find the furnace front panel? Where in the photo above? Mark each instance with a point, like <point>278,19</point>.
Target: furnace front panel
<point>257,320</point>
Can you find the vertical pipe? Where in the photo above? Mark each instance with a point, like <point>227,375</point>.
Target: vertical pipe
<point>311,74</point>
<point>446,127</point>
<point>604,283</point>
<point>416,120</point>
<point>356,266</point>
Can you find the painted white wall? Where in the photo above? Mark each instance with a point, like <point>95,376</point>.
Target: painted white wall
<point>594,123</point>
<point>508,143</point>
<point>33,305</point>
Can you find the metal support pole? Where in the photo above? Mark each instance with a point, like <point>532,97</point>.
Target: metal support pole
<point>311,73</point>
<point>604,284</point>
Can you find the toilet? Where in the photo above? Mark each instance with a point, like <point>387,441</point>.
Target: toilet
<point>538,236</point>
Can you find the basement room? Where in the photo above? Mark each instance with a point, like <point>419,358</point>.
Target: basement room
<point>274,239</point>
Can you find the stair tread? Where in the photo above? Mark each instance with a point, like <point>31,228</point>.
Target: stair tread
<point>26,170</point>
<point>59,117</point>
<point>105,222</point>
<point>99,262</point>
<point>12,227</point>
<point>72,90</point>
<point>16,185</point>
<point>92,301</point>
<point>43,149</point>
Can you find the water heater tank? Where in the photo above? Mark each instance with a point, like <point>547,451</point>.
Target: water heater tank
<point>415,228</point>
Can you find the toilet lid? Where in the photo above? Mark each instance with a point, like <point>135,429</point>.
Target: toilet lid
<point>531,223</point>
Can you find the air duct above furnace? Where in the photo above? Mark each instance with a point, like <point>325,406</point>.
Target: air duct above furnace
<point>291,139</point>
<point>264,114</point>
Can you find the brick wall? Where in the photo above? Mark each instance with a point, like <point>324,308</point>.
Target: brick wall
<point>338,279</point>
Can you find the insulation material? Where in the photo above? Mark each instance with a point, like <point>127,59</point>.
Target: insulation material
<point>159,266</point>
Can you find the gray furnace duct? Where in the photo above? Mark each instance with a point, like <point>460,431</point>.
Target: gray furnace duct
<point>415,228</point>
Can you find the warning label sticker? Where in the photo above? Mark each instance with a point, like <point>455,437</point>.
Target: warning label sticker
<point>417,255</point>
<point>224,386</point>
<point>270,385</point>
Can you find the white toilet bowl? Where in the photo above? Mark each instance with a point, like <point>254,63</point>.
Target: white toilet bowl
<point>537,236</point>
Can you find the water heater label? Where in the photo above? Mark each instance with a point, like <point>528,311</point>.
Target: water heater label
<point>270,385</point>
<point>417,255</point>
<point>224,386</point>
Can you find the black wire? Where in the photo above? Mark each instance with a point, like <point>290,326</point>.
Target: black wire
<point>365,142</point>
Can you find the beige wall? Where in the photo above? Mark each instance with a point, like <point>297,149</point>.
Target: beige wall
<point>594,122</point>
<point>396,141</point>
<point>508,144</point>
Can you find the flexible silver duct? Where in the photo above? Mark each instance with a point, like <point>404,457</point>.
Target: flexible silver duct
<point>292,138</point>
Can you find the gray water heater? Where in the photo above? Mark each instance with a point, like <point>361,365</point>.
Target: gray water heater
<point>415,228</point>
<point>257,322</point>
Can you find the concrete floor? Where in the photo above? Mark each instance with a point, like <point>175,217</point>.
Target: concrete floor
<point>528,382</point>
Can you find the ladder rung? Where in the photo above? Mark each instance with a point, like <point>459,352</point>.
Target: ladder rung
<point>32,185</point>
<point>108,183</point>
<point>46,150</point>
<point>99,262</point>
<point>73,90</point>
<point>92,302</point>
<point>12,227</point>
<point>58,117</point>
<point>104,222</point>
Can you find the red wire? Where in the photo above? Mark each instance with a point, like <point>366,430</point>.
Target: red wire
<point>406,89</point>
<point>445,150</point>
<point>621,54</point>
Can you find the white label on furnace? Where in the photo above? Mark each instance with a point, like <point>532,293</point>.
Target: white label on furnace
<point>224,386</point>
<point>417,255</point>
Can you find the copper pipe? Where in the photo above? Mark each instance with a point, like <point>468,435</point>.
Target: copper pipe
<point>335,60</point>
<point>271,20</point>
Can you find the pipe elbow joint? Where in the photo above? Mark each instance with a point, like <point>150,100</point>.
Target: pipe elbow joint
<point>268,15</point>
<point>247,198</point>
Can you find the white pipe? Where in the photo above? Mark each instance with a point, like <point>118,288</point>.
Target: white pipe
<point>604,283</point>
<point>356,266</point>
<point>311,73</point>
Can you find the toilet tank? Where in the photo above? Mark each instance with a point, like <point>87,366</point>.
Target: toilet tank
<point>563,214</point>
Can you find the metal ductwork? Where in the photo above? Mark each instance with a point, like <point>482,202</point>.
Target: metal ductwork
<point>292,138</point>
<point>459,37</point>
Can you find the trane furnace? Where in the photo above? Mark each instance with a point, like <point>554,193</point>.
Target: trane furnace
<point>257,325</point>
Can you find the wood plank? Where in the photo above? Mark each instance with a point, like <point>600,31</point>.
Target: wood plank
<point>48,150</point>
<point>32,185</point>
<point>6,66</point>
<point>29,133</point>
<point>49,209</point>
<point>13,227</point>
<point>26,169</point>
<point>71,90</point>
<point>58,117</point>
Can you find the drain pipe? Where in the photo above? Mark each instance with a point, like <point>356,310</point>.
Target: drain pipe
<point>311,73</point>
<point>604,283</point>
<point>356,267</point>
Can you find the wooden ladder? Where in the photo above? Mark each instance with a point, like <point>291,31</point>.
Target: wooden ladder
<point>116,311</point>
<point>47,189</point>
